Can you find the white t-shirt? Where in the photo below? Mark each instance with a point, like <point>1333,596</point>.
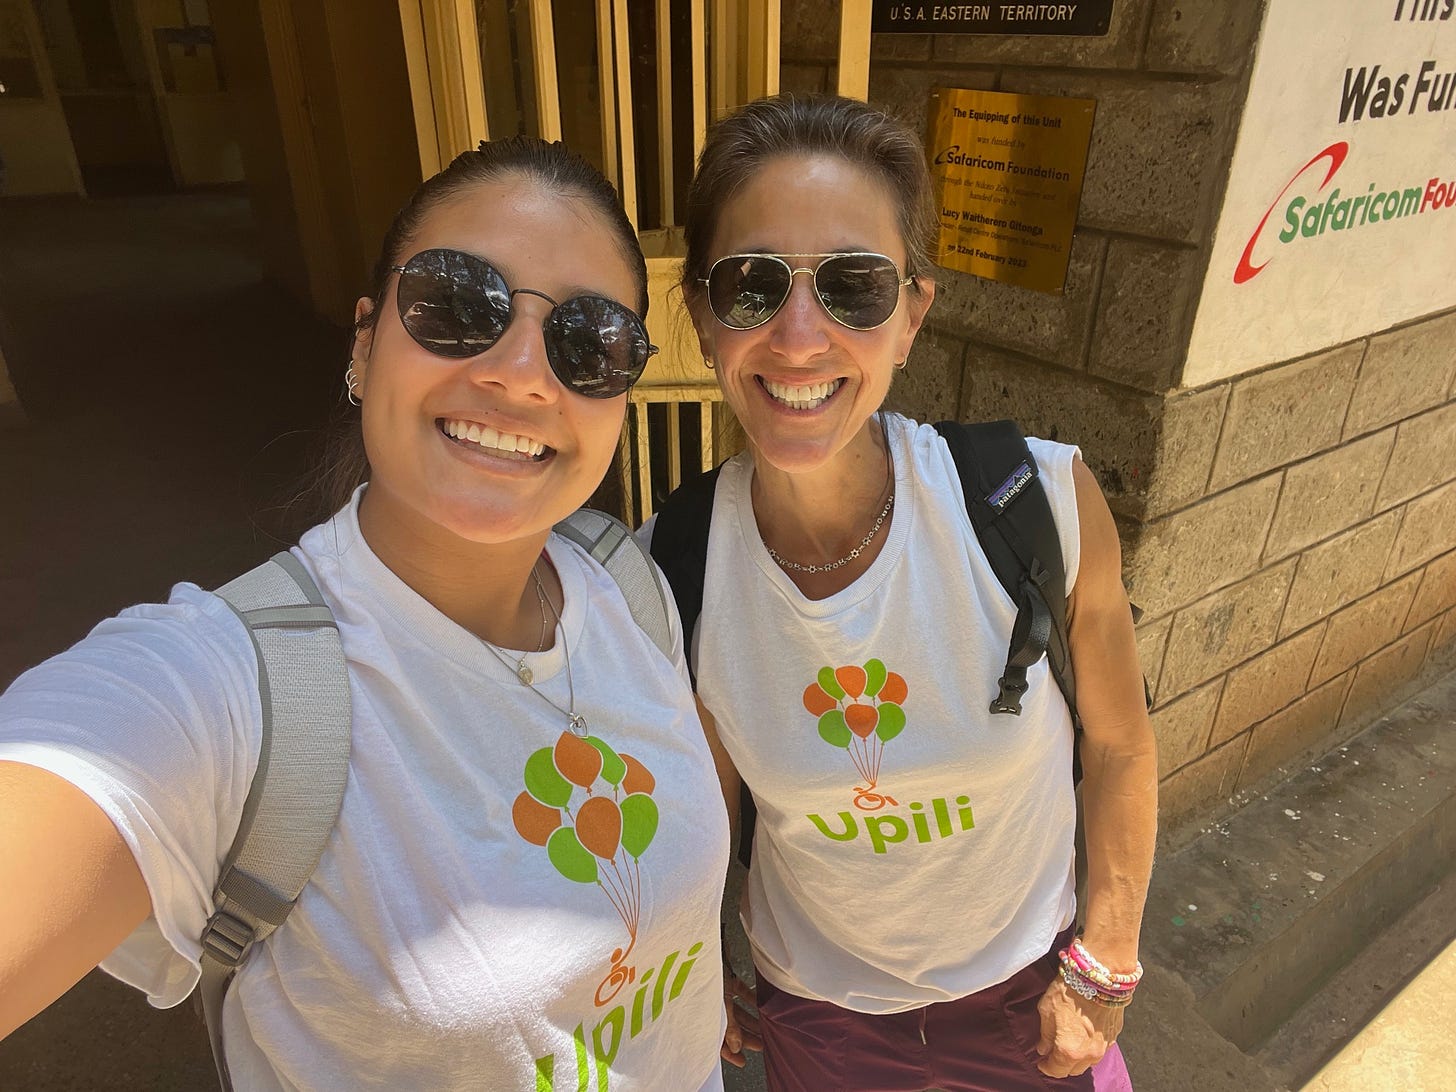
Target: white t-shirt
<point>911,847</point>
<point>437,945</point>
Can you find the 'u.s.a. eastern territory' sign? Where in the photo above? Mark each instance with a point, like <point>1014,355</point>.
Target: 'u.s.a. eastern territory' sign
<point>1083,19</point>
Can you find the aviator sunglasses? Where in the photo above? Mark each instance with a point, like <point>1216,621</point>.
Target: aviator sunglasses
<point>859,290</point>
<point>457,305</point>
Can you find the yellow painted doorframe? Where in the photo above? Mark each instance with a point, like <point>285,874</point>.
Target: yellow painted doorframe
<point>442,50</point>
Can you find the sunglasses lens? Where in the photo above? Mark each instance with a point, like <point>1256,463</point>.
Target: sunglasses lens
<point>596,346</point>
<point>453,304</point>
<point>861,291</point>
<point>745,292</point>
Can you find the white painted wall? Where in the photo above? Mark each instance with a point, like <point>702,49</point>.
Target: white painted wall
<point>1268,298</point>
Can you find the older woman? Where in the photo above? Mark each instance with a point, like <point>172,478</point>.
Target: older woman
<point>490,910</point>
<point>910,903</point>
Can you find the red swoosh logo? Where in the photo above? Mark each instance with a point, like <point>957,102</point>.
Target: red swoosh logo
<point>1336,154</point>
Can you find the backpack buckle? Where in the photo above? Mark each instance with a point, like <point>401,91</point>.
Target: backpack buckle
<point>227,938</point>
<point>1009,699</point>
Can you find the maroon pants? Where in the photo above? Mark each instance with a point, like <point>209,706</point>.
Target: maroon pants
<point>982,1043</point>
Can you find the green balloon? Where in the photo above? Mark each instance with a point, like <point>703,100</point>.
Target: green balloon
<point>875,675</point>
<point>833,729</point>
<point>830,683</point>
<point>544,782</point>
<point>613,768</point>
<point>571,857</point>
<point>892,721</point>
<point>639,822</point>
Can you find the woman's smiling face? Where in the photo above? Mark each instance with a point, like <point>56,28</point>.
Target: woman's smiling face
<point>493,448</point>
<point>801,384</point>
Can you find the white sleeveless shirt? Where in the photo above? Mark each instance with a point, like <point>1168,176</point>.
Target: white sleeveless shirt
<point>911,847</point>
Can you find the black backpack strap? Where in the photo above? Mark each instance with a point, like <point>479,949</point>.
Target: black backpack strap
<point>1013,521</point>
<point>680,548</point>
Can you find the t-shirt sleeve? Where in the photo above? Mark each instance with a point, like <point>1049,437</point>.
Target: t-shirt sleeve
<point>155,716</point>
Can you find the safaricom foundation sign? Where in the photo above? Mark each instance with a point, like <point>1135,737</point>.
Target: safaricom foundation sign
<point>1333,210</point>
<point>1340,215</point>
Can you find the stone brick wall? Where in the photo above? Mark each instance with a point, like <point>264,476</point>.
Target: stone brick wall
<point>1290,534</point>
<point>1312,584</point>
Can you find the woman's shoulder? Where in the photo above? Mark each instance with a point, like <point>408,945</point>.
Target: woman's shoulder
<point>173,658</point>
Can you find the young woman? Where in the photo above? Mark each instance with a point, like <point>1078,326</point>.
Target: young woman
<point>490,910</point>
<point>910,902</point>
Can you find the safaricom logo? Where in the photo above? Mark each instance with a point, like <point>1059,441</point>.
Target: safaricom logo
<point>1305,218</point>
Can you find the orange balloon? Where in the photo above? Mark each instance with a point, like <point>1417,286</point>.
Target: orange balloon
<point>852,678</point>
<point>861,719</point>
<point>599,826</point>
<point>577,760</point>
<point>816,701</point>
<point>637,778</point>
<point>534,821</point>
<point>894,689</point>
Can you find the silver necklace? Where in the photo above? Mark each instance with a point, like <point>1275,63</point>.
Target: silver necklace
<point>830,566</point>
<point>575,722</point>
<point>523,672</point>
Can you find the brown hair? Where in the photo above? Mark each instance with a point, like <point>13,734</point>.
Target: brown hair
<point>345,465</point>
<point>741,144</point>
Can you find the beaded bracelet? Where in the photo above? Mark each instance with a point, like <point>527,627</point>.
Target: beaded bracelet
<point>1089,978</point>
<point>1090,967</point>
<point>1084,988</point>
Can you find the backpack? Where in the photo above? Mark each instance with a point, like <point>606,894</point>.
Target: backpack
<point>298,789</point>
<point>1013,522</point>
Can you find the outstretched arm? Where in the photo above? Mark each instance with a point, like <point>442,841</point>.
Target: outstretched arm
<point>70,890</point>
<point>1119,786</point>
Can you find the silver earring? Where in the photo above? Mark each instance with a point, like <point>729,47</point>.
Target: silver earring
<point>351,385</point>
<point>899,365</point>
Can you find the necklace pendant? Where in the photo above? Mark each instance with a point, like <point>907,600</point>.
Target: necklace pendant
<point>577,723</point>
<point>523,672</point>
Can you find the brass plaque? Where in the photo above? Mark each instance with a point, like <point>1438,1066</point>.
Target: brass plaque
<point>1007,172</point>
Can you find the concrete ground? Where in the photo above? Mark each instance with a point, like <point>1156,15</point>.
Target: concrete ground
<point>1408,1045</point>
<point>176,399</point>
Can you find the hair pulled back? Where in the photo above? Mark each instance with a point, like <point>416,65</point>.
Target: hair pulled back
<point>553,166</point>
<point>743,143</point>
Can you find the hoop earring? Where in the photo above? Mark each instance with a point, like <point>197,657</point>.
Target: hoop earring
<point>708,363</point>
<point>351,385</point>
<point>899,365</point>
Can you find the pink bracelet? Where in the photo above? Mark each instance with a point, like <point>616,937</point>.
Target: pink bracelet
<point>1094,969</point>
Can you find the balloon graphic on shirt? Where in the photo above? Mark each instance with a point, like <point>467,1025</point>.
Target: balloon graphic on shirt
<point>592,810</point>
<point>533,820</point>
<point>639,823</point>
<point>859,709</point>
<point>579,761</point>
<point>599,826</point>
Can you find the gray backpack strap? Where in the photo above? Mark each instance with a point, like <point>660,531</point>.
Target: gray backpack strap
<point>610,542</point>
<point>303,764</point>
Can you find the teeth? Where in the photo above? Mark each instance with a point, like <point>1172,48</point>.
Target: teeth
<point>802,397</point>
<point>488,437</point>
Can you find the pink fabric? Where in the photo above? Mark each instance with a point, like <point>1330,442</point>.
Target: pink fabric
<point>982,1043</point>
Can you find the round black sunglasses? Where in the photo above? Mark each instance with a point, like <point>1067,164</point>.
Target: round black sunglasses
<point>860,290</point>
<point>458,305</point>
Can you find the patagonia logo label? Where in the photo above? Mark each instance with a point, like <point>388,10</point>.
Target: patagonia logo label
<point>1011,487</point>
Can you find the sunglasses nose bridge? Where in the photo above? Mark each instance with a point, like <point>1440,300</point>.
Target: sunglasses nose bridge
<point>518,359</point>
